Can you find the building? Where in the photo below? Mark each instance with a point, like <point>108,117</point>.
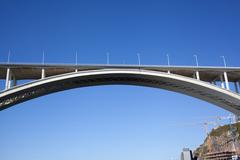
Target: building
<point>227,155</point>
<point>186,154</point>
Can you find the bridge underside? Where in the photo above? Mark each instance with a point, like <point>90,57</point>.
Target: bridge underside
<point>189,86</point>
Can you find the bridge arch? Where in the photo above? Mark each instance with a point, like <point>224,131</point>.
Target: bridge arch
<point>177,83</point>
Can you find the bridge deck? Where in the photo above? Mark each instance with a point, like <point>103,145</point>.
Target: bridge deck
<point>33,71</point>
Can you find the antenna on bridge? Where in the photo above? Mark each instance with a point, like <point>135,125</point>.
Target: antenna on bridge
<point>224,61</point>
<point>9,54</point>
<point>139,59</point>
<point>196,59</point>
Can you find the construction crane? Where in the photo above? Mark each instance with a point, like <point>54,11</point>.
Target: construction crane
<point>234,118</point>
<point>216,123</point>
<point>205,125</point>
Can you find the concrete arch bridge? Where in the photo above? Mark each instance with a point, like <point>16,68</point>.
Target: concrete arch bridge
<point>216,85</point>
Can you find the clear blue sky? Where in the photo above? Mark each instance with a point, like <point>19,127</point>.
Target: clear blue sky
<point>112,122</point>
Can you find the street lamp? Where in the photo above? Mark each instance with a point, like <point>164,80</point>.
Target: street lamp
<point>43,57</point>
<point>168,60</point>
<point>76,58</point>
<point>224,61</point>
<point>196,59</point>
<point>139,59</point>
<point>107,58</point>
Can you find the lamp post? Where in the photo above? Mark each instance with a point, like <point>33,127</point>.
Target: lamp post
<point>196,59</point>
<point>224,61</point>
<point>43,57</point>
<point>139,59</point>
<point>168,62</point>
<point>76,58</point>
<point>197,72</point>
<point>107,54</point>
<point>225,73</point>
<point>9,54</point>
<point>43,75</point>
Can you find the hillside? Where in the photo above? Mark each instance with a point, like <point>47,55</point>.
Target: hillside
<point>224,138</point>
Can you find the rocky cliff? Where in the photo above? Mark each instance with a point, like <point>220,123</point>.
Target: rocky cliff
<point>224,138</point>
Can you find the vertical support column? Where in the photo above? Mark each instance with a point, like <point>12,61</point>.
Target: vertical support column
<point>14,80</point>
<point>194,76</point>
<point>236,118</point>
<point>226,80</point>
<point>43,73</point>
<point>238,89</point>
<point>197,75</point>
<point>76,70</point>
<point>8,79</point>
<point>222,82</point>
<point>168,72</point>
<point>236,85</point>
